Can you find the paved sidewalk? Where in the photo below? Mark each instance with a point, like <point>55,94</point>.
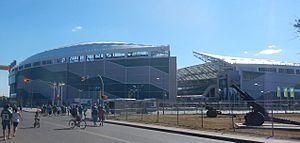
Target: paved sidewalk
<point>206,134</point>
<point>277,126</point>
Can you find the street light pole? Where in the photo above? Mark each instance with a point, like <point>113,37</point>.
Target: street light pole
<point>53,84</point>
<point>164,98</point>
<point>61,92</point>
<point>79,96</point>
<point>102,87</point>
<point>262,91</point>
<point>54,92</point>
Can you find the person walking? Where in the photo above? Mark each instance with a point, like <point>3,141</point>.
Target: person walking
<point>80,110</point>
<point>58,110</point>
<point>94,115</point>
<point>20,106</point>
<point>101,114</point>
<point>44,109</point>
<point>84,112</point>
<point>16,117</point>
<point>54,108</point>
<point>49,110</point>
<point>68,108</point>
<point>6,116</point>
<point>63,110</point>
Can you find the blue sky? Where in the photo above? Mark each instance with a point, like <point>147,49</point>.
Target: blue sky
<point>253,28</point>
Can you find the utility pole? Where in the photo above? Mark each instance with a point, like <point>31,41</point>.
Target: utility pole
<point>102,92</point>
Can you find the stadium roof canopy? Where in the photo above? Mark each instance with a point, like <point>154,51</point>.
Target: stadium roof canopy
<point>86,48</point>
<point>197,72</point>
<point>238,60</point>
<point>214,63</point>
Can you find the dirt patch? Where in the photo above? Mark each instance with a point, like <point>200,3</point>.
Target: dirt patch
<point>221,123</point>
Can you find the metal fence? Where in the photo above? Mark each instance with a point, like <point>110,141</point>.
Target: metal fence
<point>230,114</point>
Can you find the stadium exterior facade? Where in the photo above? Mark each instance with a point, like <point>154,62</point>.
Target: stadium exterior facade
<point>84,70</point>
<point>262,79</point>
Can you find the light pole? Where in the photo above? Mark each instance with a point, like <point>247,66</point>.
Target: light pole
<point>60,85</point>
<point>82,79</point>
<point>28,81</point>
<point>102,87</point>
<point>164,96</point>
<point>79,96</point>
<point>53,85</point>
<point>261,91</point>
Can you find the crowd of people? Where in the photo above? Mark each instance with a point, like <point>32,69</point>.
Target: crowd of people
<point>98,112</point>
<point>55,110</point>
<point>11,115</point>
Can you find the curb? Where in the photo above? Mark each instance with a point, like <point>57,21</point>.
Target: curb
<point>29,110</point>
<point>231,139</point>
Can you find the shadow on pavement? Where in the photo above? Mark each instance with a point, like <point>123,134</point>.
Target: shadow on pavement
<point>1,140</point>
<point>26,128</point>
<point>97,126</point>
<point>63,129</point>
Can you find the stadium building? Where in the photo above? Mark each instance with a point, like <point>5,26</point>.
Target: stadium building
<point>262,79</point>
<point>84,70</point>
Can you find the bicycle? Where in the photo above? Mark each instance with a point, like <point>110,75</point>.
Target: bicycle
<point>77,123</point>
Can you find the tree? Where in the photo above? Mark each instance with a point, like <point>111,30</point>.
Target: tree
<point>297,25</point>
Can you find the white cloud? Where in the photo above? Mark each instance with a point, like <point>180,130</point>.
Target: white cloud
<point>77,28</point>
<point>269,51</point>
<point>245,52</point>
<point>271,46</point>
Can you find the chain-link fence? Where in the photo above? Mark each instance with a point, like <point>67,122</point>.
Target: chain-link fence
<point>225,116</point>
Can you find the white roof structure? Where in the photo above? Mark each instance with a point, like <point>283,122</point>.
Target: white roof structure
<point>239,60</point>
<point>85,48</point>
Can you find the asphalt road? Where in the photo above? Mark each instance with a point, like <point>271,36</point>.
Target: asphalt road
<point>56,130</point>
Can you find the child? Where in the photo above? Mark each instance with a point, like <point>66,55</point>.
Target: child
<point>36,119</point>
<point>16,117</point>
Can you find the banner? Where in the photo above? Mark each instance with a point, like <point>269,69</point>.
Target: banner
<point>278,92</point>
<point>292,92</point>
<point>285,92</point>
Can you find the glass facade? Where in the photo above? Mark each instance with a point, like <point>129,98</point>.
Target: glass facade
<point>139,76</point>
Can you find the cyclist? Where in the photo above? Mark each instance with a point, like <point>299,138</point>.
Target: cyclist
<point>6,116</point>
<point>73,111</point>
<point>78,118</point>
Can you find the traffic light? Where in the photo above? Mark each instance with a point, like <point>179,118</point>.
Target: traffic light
<point>104,97</point>
<point>57,97</point>
<point>26,80</point>
<point>100,96</point>
<point>83,78</point>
